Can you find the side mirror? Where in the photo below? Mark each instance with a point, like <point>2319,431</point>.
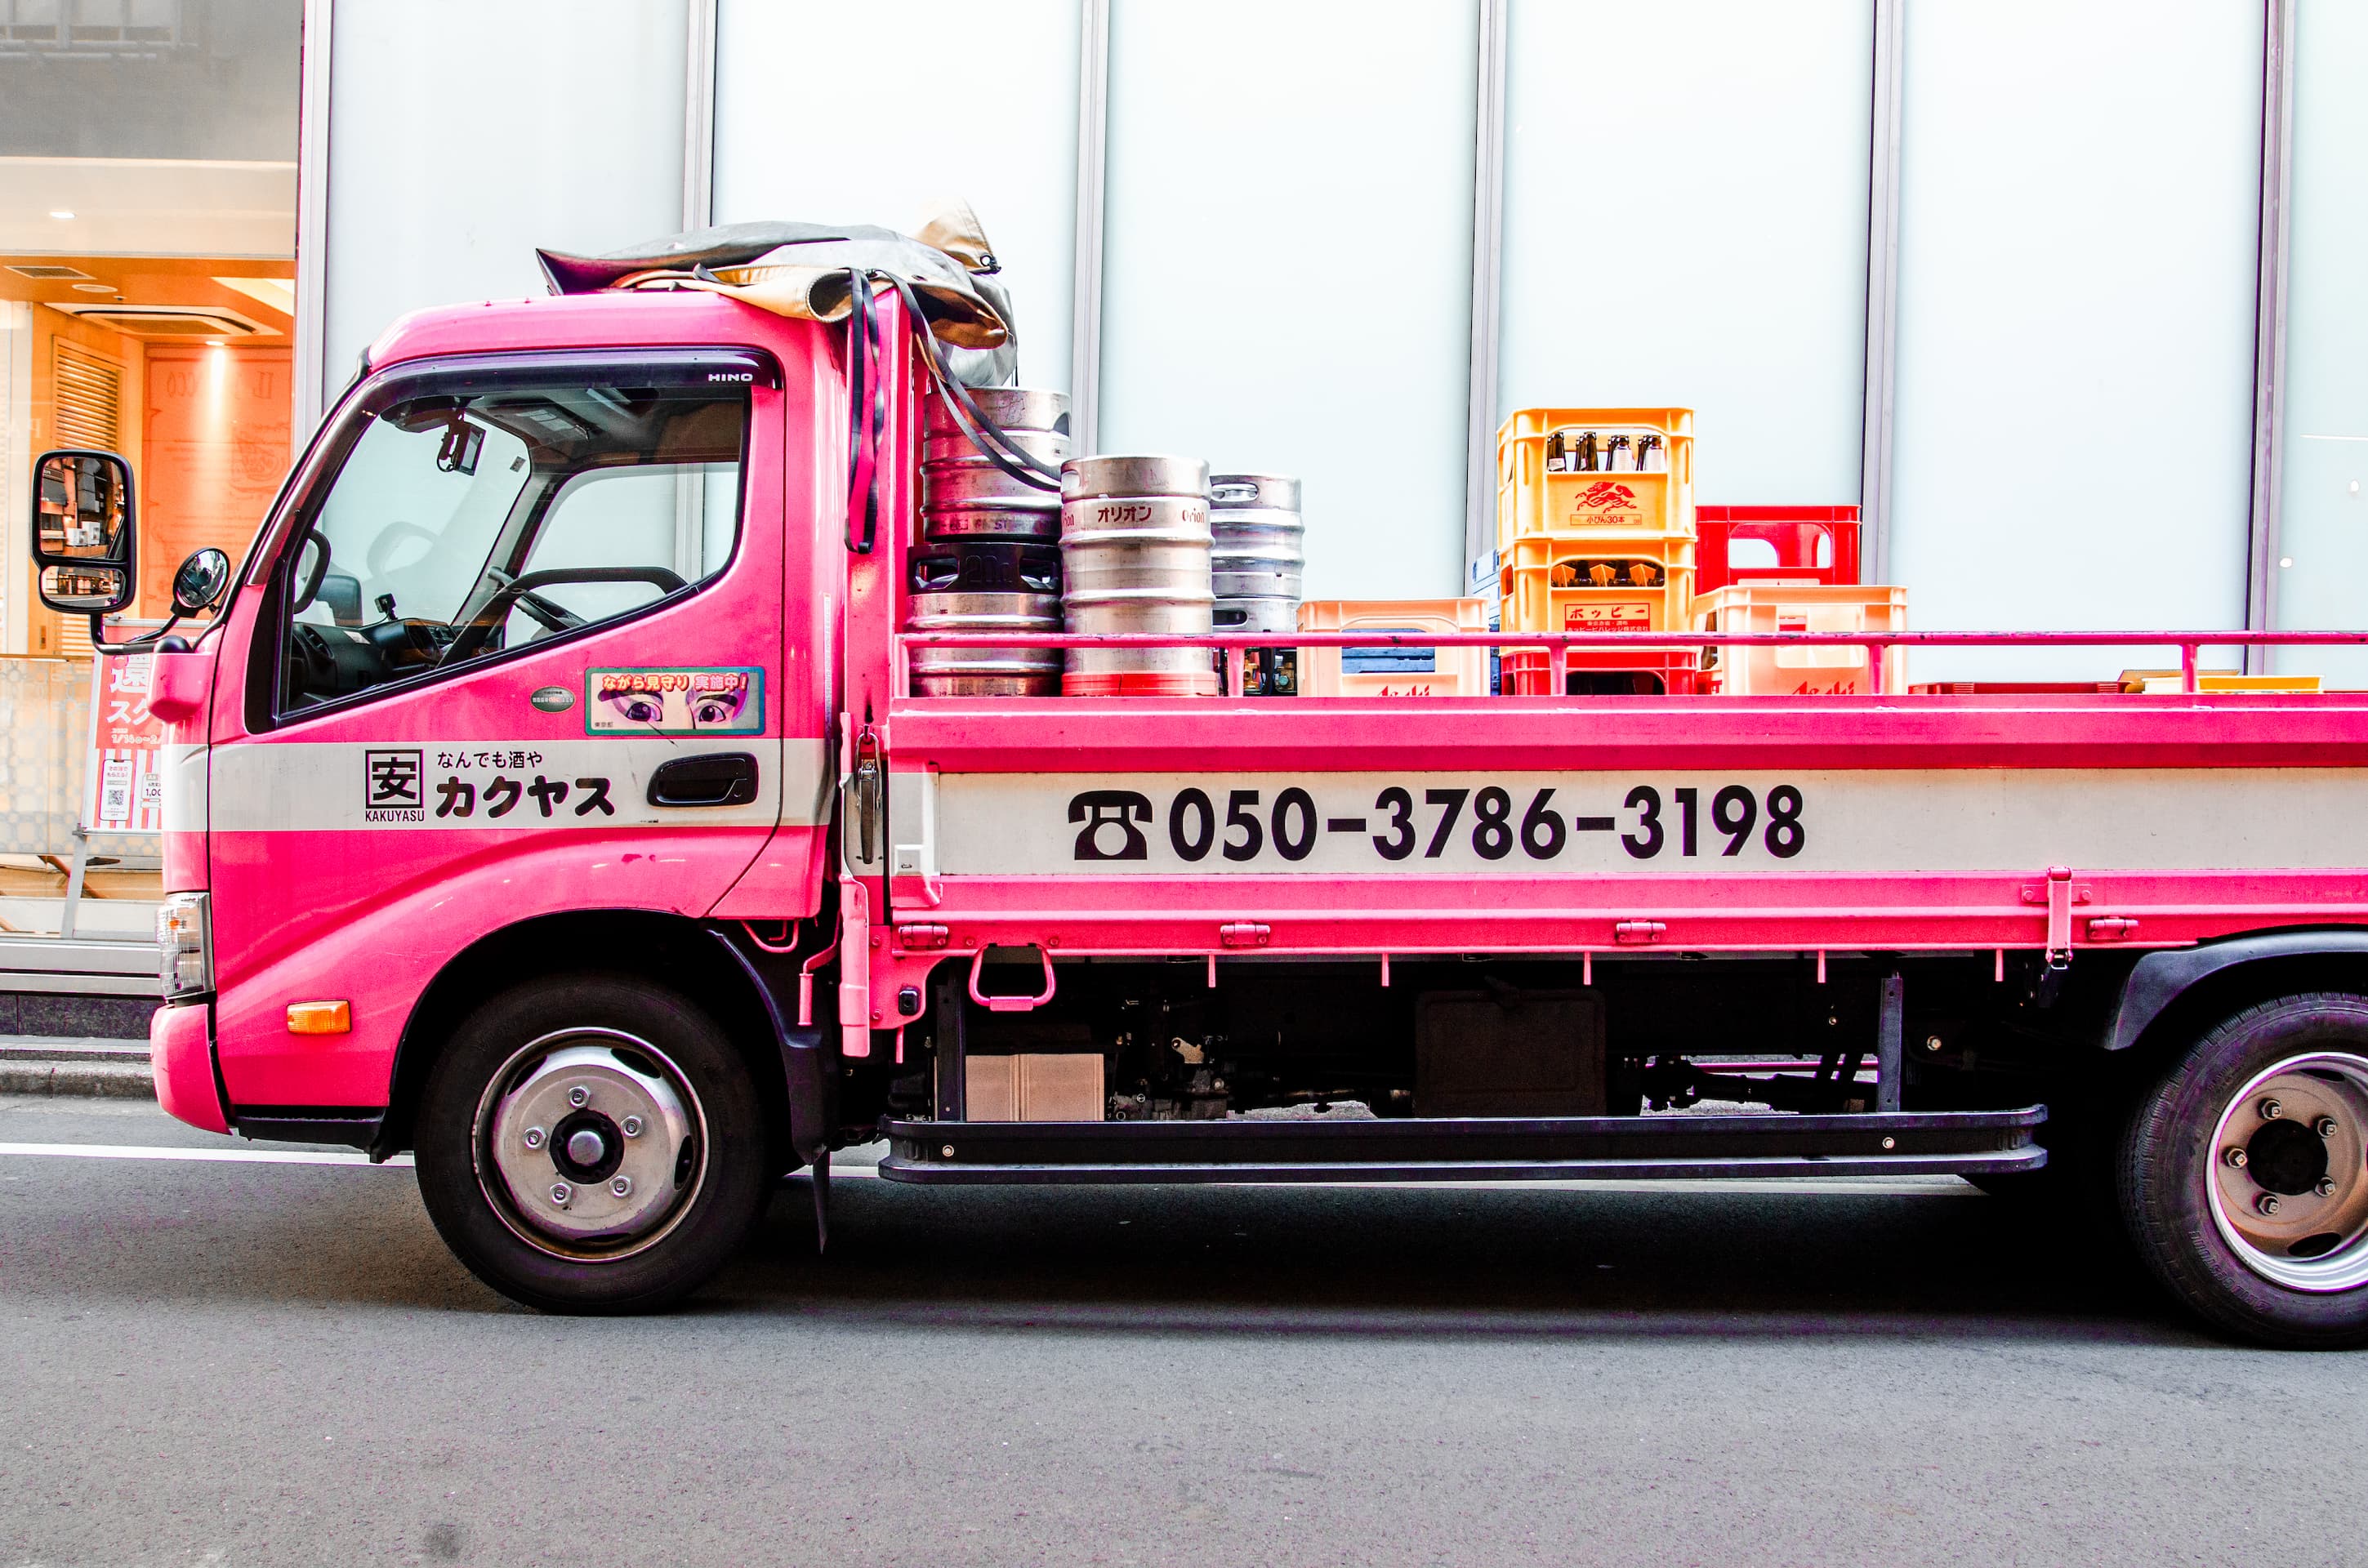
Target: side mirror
<point>200,583</point>
<point>83,542</point>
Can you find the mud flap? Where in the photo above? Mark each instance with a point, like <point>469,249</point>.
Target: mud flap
<point>805,1072</point>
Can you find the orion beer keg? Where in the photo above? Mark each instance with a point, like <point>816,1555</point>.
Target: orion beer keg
<point>985,672</point>
<point>964,496</point>
<point>1135,557</point>
<point>1257,551</point>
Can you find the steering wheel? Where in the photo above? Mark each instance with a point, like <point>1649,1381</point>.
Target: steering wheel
<point>316,670</point>
<point>548,613</point>
<point>304,600</point>
<point>517,589</point>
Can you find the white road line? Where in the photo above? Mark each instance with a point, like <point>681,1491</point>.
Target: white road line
<point>229,1156</point>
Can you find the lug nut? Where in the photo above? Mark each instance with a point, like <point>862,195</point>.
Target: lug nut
<point>621,1186</point>
<point>2235,1158</point>
<point>2325,1188</point>
<point>631,1127</point>
<point>2272,1111</point>
<point>2267,1204</point>
<point>561,1192</point>
<point>2324,1127</point>
<point>534,1137</point>
<point>579,1097</point>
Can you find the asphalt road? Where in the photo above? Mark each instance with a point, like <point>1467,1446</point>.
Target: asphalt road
<point>235,1362</point>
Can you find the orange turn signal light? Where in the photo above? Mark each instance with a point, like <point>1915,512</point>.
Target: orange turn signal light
<point>319,1017</point>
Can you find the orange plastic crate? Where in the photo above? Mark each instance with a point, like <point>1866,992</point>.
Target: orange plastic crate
<point>1394,672</point>
<point>1659,498</point>
<point>1555,595</point>
<point>1777,670</point>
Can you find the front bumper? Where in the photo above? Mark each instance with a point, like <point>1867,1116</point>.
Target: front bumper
<point>181,1054</point>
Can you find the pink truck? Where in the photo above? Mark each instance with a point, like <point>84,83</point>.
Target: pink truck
<point>549,798</point>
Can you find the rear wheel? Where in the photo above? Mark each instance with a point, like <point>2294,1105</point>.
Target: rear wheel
<point>2245,1174</point>
<point>592,1145</point>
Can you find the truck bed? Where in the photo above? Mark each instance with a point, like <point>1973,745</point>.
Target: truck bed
<point>1927,821</point>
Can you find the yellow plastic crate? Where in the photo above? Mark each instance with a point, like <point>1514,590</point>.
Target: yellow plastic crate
<point>2140,681</point>
<point>1553,597</point>
<point>1771,606</point>
<point>1533,498</point>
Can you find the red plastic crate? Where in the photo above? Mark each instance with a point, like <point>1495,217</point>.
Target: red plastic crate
<point>1796,533</point>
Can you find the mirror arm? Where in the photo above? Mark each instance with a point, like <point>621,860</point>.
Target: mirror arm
<point>142,644</point>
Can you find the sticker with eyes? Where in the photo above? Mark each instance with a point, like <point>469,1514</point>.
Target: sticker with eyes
<point>673,701</point>
<point>717,709</point>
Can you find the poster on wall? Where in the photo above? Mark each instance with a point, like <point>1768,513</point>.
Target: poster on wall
<point>122,790</point>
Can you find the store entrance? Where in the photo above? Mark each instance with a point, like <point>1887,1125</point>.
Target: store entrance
<point>182,365</point>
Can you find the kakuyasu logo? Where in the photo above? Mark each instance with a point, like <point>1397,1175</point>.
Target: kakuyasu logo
<point>394,786</point>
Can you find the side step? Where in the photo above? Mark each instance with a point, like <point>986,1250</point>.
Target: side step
<point>1560,1148</point>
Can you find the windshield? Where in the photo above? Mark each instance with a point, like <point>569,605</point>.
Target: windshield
<point>460,525</point>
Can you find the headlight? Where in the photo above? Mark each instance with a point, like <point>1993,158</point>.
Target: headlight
<point>185,945</point>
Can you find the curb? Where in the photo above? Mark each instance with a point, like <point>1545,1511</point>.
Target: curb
<point>94,1068</point>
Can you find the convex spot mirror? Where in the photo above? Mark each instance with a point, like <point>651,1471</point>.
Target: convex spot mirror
<point>199,583</point>
<point>82,531</point>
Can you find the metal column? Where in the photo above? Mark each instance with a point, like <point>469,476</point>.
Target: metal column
<point>1487,260</point>
<point>1891,1026</point>
<point>2269,322</point>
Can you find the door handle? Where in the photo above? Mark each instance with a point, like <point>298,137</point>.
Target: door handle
<point>718,779</point>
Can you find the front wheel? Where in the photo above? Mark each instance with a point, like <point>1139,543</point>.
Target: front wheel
<point>591,1145</point>
<point>2245,1174</point>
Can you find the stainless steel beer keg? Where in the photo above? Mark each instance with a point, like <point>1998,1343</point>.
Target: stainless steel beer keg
<point>964,494</point>
<point>1135,557</point>
<point>985,672</point>
<point>1257,554</point>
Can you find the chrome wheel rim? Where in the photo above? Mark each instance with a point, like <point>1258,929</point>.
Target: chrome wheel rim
<point>2288,1175</point>
<point>591,1145</point>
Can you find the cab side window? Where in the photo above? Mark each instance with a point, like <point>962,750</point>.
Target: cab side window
<point>461,525</point>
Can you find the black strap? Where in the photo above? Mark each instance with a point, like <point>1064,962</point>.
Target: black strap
<point>867,411</point>
<point>985,433</point>
<point>867,402</point>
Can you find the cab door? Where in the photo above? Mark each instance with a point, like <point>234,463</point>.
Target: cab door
<point>520,655</point>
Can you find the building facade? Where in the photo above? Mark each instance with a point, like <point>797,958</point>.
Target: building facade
<point>2062,295</point>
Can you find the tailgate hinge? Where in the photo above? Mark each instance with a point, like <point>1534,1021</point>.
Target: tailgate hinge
<point>922,938</point>
<point>2111,927</point>
<point>1245,934</point>
<point>1637,931</point>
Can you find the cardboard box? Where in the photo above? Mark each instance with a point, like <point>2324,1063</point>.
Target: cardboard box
<point>1035,1086</point>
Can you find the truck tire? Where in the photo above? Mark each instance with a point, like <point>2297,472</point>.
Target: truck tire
<point>2244,1174</point>
<point>591,1145</point>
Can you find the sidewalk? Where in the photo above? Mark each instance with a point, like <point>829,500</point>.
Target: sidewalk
<point>61,1064</point>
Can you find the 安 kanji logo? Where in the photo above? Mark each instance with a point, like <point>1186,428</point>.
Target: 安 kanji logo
<point>393,786</point>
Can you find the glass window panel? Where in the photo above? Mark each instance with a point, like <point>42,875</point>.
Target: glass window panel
<point>2323,481</point>
<point>993,120</point>
<point>1287,266</point>
<point>464,135</point>
<point>1685,226</point>
<point>2079,209</point>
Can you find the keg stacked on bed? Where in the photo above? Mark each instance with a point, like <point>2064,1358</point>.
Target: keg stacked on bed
<point>1135,557</point>
<point>1258,555</point>
<point>990,557</point>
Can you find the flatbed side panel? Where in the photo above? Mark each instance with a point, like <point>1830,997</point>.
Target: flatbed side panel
<point>1417,914</point>
<point>2209,731</point>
